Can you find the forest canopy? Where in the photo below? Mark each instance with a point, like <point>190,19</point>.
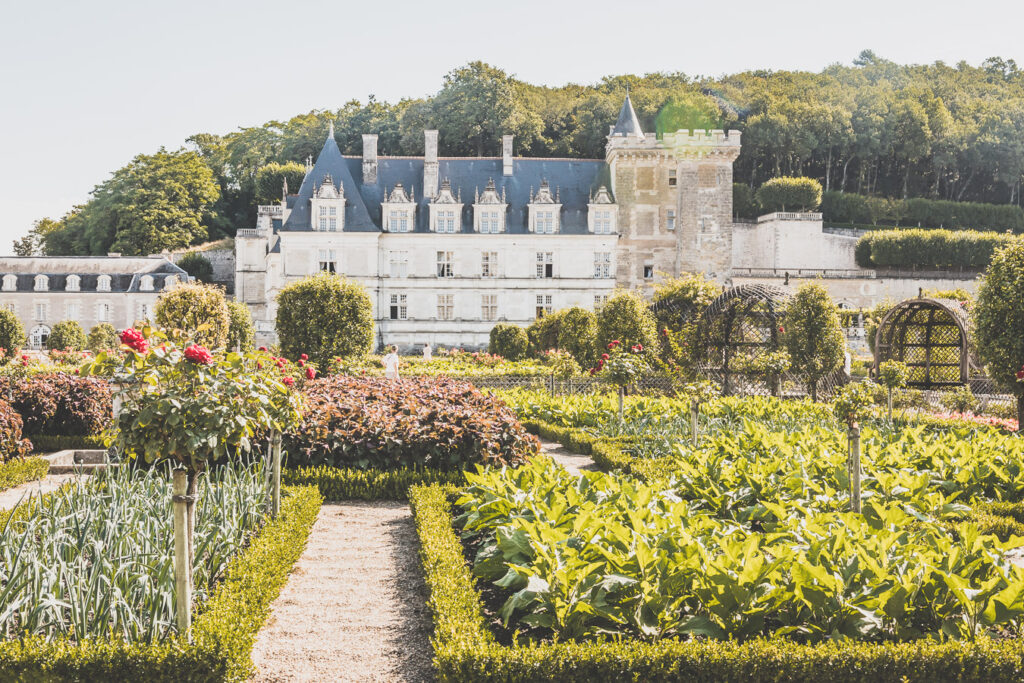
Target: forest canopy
<point>873,128</point>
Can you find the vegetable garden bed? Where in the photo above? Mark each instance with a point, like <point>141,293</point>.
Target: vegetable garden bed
<point>108,608</point>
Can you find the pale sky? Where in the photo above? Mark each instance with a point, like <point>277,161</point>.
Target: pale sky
<point>85,86</point>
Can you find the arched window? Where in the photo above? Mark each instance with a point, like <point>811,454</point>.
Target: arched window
<point>103,283</point>
<point>10,282</point>
<point>146,283</point>
<point>74,283</point>
<point>170,282</point>
<point>42,283</point>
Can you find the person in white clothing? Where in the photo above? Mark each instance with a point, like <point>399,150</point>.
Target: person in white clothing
<point>391,363</point>
<point>427,352</point>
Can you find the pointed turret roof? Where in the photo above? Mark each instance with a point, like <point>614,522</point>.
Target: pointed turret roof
<point>627,123</point>
<point>330,165</point>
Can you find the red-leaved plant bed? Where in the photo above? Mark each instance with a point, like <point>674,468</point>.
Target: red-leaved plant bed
<point>59,403</point>
<point>12,445</point>
<point>373,422</point>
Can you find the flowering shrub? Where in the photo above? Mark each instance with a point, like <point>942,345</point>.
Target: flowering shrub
<point>69,358</point>
<point>369,422</point>
<point>562,363</point>
<point>970,419</point>
<point>198,354</point>
<point>59,403</point>
<point>619,367</point>
<point>11,444</point>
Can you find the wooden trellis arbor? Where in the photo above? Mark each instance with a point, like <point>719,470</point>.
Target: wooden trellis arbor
<point>932,336</point>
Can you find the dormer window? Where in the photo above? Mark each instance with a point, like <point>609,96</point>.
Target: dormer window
<point>602,213</point>
<point>398,209</point>
<point>146,283</point>
<point>170,282</point>
<point>328,206</point>
<point>545,210</point>
<point>42,283</point>
<point>446,210</point>
<point>10,282</point>
<point>73,284</point>
<point>489,210</point>
<point>103,283</point>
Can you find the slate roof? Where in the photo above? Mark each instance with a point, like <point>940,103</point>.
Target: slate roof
<point>574,179</point>
<point>627,123</point>
<point>125,273</point>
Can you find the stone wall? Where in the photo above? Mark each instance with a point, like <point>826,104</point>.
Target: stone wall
<point>864,292</point>
<point>222,258</point>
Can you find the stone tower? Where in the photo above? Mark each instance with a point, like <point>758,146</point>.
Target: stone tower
<point>675,200</point>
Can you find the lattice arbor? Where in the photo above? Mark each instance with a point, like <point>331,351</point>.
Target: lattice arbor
<point>932,336</point>
<point>739,339</point>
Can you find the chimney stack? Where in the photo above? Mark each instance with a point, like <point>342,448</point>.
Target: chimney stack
<point>370,159</point>
<point>430,164</point>
<point>506,155</point>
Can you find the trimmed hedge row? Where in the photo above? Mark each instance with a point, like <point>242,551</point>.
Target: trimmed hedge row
<point>223,633</point>
<point>337,484</point>
<point>845,207</point>
<point>465,650</point>
<point>607,453</point>
<point>921,248</point>
<point>16,472</point>
<point>49,443</point>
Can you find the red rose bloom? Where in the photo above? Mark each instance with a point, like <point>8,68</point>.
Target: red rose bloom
<point>1020,375</point>
<point>134,340</point>
<point>604,356</point>
<point>263,348</point>
<point>302,363</point>
<point>198,354</point>
<point>782,329</point>
<point>304,357</point>
<point>310,373</point>
<point>287,381</point>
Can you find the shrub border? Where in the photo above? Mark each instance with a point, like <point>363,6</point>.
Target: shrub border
<point>17,472</point>
<point>50,443</point>
<point>465,650</point>
<point>223,632</point>
<point>340,483</point>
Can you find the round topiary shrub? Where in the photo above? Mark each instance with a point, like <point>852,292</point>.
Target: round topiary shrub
<point>373,422</point>
<point>12,334</point>
<point>999,321</point>
<point>102,337</point>
<point>241,331</point>
<point>194,306</point>
<point>197,265</point>
<point>509,341</point>
<point>12,445</point>
<point>789,194</point>
<point>67,335</point>
<point>325,317</point>
<point>60,404</point>
<point>626,318</point>
<point>577,333</point>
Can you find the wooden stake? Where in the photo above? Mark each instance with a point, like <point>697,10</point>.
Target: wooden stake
<point>182,565</point>
<point>622,393</point>
<point>276,505</point>
<point>694,410</point>
<point>855,469</point>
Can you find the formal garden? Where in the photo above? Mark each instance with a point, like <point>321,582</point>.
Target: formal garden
<point>688,488</point>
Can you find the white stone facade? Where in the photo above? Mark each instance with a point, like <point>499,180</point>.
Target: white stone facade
<point>43,291</point>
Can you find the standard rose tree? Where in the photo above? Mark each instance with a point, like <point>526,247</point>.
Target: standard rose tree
<point>183,404</point>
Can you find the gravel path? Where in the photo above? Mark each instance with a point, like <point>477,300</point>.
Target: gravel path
<point>50,482</point>
<point>574,463</point>
<point>354,607</point>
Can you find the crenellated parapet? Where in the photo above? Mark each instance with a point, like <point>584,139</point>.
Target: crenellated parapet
<point>699,144</point>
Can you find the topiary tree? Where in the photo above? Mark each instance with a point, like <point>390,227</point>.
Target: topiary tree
<point>67,335</point>
<point>577,334</point>
<point>509,341</point>
<point>626,318</point>
<point>199,310</point>
<point>999,321</point>
<point>789,194</point>
<point>102,337</point>
<point>543,332</point>
<point>813,335</point>
<point>241,331</point>
<point>325,317</point>
<point>197,265</point>
<point>892,374</point>
<point>12,334</point>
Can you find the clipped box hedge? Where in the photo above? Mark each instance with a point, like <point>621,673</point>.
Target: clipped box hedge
<point>17,472</point>
<point>465,650</point>
<point>337,484</point>
<point>223,633</point>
